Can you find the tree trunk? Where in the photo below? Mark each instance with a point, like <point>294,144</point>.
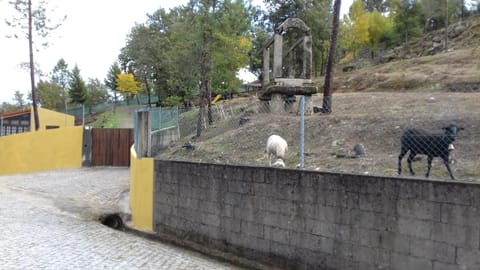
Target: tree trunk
<point>205,70</point>
<point>446,25</point>
<point>32,67</point>
<point>148,92</point>
<point>209,99</point>
<point>327,91</point>
<point>203,89</point>
<point>201,112</point>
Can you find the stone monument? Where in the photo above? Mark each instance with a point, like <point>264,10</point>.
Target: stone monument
<point>291,70</point>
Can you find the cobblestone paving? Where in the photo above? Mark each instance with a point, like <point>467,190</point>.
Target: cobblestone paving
<point>45,224</point>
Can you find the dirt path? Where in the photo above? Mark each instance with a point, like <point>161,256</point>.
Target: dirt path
<point>125,115</point>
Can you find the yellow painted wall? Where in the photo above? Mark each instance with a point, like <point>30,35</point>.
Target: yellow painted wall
<point>141,191</point>
<point>51,118</point>
<point>41,150</point>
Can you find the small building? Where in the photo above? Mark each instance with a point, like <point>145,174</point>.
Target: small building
<point>23,121</point>
<point>254,86</point>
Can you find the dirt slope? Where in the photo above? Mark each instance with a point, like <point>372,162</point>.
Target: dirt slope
<point>374,119</point>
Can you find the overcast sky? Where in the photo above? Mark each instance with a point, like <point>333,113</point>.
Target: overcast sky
<point>91,37</point>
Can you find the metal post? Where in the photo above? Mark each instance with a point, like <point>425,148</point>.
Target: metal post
<point>302,132</point>
<point>178,126</point>
<point>83,114</point>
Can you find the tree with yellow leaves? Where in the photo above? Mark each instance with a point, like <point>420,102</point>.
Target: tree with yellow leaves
<point>359,25</point>
<point>127,85</point>
<point>364,28</point>
<point>378,25</point>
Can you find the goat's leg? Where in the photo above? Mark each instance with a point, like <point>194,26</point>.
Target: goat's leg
<point>429,165</point>
<point>400,157</point>
<point>447,164</point>
<point>409,161</point>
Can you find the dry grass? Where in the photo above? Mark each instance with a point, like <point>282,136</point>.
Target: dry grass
<point>418,74</point>
<point>374,119</point>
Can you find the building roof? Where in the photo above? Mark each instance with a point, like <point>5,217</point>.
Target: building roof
<point>13,114</point>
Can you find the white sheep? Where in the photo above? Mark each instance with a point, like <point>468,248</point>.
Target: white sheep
<point>276,147</point>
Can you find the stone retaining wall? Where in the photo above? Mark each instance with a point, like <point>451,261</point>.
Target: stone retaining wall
<point>295,219</point>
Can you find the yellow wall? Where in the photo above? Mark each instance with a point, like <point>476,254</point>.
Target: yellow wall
<point>51,118</point>
<point>141,191</point>
<point>41,150</point>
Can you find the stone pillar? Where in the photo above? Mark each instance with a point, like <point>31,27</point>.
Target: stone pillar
<point>276,104</point>
<point>266,66</point>
<point>277,55</point>
<point>308,105</point>
<point>142,145</point>
<point>308,110</point>
<point>307,57</point>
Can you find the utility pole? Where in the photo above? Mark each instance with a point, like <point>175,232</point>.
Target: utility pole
<point>32,67</point>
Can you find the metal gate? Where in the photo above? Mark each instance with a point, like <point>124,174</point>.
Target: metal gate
<point>111,146</point>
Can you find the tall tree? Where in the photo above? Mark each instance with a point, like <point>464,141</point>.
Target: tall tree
<point>223,28</point>
<point>378,25</point>
<point>19,100</point>
<point>190,50</point>
<point>202,33</point>
<point>360,23</point>
<point>49,95</point>
<point>407,18</point>
<point>111,80</point>
<point>146,56</point>
<point>97,92</point>
<point>439,13</point>
<point>327,90</point>
<point>32,20</point>
<point>61,76</point>
<point>78,89</point>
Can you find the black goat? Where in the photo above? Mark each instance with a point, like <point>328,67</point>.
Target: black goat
<point>432,145</point>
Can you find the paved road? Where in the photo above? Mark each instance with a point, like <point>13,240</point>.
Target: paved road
<point>49,220</point>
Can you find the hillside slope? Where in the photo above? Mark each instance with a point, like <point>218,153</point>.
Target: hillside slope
<point>421,64</point>
<point>372,106</point>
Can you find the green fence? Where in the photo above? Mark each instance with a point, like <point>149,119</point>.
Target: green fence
<point>77,110</point>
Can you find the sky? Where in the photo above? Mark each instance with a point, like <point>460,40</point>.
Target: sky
<point>91,38</point>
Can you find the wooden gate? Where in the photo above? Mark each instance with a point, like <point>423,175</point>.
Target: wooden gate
<point>111,146</point>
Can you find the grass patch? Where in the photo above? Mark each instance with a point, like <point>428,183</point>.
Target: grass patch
<point>107,119</point>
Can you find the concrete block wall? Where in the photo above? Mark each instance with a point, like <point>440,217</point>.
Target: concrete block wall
<point>160,139</point>
<point>295,219</point>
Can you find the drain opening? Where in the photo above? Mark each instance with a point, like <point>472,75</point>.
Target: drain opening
<point>113,221</point>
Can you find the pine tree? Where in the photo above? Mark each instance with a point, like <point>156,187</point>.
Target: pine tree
<point>111,80</point>
<point>61,77</point>
<point>78,88</point>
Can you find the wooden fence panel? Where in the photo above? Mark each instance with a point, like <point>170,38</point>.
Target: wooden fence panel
<point>111,147</point>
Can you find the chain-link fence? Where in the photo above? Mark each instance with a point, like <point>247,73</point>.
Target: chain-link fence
<point>78,110</point>
<point>362,134</point>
